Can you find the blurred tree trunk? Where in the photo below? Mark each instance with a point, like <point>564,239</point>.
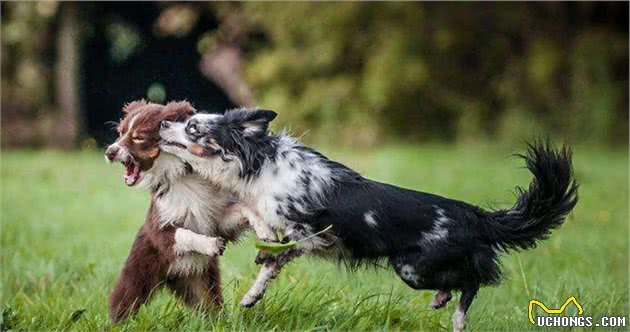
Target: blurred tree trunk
<point>68,122</point>
<point>223,66</point>
<point>223,63</point>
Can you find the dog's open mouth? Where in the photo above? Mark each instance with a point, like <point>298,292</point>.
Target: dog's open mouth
<point>175,144</point>
<point>132,172</point>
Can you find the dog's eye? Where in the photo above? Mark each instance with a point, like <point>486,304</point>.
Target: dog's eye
<point>137,138</point>
<point>192,129</point>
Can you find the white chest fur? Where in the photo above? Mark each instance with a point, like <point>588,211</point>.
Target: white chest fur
<point>196,205</point>
<point>192,203</point>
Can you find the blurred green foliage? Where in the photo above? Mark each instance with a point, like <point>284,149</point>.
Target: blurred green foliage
<point>26,68</point>
<point>360,72</point>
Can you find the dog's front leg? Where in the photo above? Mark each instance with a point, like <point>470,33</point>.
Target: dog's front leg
<point>240,216</point>
<point>264,231</point>
<point>270,270</point>
<point>187,241</point>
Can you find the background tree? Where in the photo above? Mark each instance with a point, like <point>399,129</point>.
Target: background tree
<point>419,71</point>
<point>353,73</point>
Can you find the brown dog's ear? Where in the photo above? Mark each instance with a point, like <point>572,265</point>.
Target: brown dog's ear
<point>133,105</point>
<point>177,111</point>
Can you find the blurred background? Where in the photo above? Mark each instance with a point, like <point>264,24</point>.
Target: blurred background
<point>356,74</point>
<point>430,96</point>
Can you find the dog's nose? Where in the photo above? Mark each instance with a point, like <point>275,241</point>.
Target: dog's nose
<point>165,124</point>
<point>111,152</point>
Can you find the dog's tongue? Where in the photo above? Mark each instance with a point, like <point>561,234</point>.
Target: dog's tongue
<point>132,174</point>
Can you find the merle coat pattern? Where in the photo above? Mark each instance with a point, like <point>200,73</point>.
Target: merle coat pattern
<point>430,241</point>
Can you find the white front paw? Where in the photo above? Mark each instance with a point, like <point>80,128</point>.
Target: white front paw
<point>250,300</point>
<point>215,247</point>
<point>267,234</point>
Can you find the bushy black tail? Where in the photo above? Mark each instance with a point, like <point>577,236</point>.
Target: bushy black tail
<point>543,206</point>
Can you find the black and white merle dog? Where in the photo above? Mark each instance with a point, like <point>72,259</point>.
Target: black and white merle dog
<point>430,241</point>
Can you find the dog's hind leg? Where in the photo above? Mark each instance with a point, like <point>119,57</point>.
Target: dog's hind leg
<point>212,283</point>
<point>270,270</point>
<point>441,299</point>
<point>459,317</point>
<point>199,289</point>
<point>140,277</point>
<point>418,271</point>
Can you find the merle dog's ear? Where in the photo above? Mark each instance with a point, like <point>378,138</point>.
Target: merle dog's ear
<point>257,122</point>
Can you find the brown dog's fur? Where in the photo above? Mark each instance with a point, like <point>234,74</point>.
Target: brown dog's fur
<point>145,271</point>
<point>146,268</point>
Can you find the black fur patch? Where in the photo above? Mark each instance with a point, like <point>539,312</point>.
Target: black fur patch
<point>188,168</point>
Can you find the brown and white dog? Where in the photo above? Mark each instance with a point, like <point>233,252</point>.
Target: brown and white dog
<point>187,222</point>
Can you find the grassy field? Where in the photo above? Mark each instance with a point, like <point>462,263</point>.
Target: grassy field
<point>68,222</point>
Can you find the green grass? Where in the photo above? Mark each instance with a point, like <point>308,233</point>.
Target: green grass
<point>68,223</point>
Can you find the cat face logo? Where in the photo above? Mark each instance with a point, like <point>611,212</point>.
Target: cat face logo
<point>571,299</point>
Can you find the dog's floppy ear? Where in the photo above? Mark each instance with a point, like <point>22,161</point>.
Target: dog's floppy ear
<point>256,122</point>
<point>177,111</point>
<point>133,105</point>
